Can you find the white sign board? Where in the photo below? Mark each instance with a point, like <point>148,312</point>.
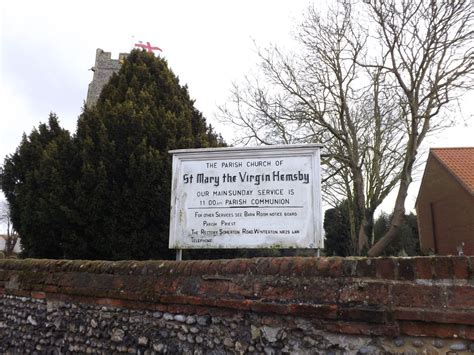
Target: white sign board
<point>263,197</point>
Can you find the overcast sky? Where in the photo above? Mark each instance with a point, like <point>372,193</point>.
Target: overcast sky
<point>48,46</point>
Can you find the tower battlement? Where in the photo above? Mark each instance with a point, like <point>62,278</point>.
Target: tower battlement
<point>103,69</point>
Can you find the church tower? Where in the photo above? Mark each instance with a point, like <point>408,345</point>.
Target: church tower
<point>103,69</point>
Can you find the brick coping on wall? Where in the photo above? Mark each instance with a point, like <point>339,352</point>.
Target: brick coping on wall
<point>420,296</point>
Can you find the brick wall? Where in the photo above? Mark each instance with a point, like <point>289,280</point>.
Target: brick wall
<point>251,305</point>
<point>445,212</point>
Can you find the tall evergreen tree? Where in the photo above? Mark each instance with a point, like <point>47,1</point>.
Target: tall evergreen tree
<point>337,231</point>
<point>35,180</point>
<point>123,194</point>
<point>105,193</point>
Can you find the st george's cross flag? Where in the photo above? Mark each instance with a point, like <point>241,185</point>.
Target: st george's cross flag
<point>149,48</point>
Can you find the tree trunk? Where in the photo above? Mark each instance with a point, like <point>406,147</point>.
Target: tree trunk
<point>398,212</point>
<point>359,197</point>
<point>11,240</point>
<point>363,243</point>
<point>391,234</point>
<point>353,225</point>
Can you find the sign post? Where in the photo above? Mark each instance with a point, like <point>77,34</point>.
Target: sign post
<point>262,197</point>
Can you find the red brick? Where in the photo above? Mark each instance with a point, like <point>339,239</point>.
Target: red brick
<point>51,279</point>
<point>461,297</point>
<point>436,316</point>
<point>38,295</point>
<point>50,289</point>
<point>443,268</point>
<point>252,267</point>
<point>385,268</point>
<point>363,314</point>
<point>160,307</point>
<point>3,275</point>
<point>118,282</point>
<point>240,290</point>
<point>423,267</point>
<point>257,288</point>
<point>213,267</point>
<point>413,295</point>
<point>367,293</point>
<point>273,266</point>
<point>365,267</point>
<point>324,311</point>
<point>322,267</point>
<point>191,300</point>
<point>111,302</point>
<point>188,286</point>
<point>267,307</point>
<point>235,267</point>
<point>461,267</point>
<point>309,267</point>
<point>180,268</point>
<point>164,284</point>
<point>265,266</point>
<point>298,265</point>
<point>188,268</point>
<point>335,267</point>
<point>286,266</point>
<point>406,269</point>
<point>467,332</point>
<point>286,292</point>
<point>216,288</point>
<point>200,268</point>
<point>349,267</point>
<point>226,268</point>
<point>325,290</point>
<point>195,300</point>
<point>234,304</point>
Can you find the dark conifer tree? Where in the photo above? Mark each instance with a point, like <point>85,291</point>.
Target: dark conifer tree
<point>36,182</point>
<point>105,193</point>
<point>123,194</point>
<point>337,227</point>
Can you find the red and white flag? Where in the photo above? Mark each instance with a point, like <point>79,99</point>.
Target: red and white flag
<point>147,46</point>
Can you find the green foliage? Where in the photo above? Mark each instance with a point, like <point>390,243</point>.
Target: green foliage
<point>35,180</point>
<point>407,242</point>
<point>338,241</point>
<point>338,234</point>
<point>124,192</point>
<point>105,193</point>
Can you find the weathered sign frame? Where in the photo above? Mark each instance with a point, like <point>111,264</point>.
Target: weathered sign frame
<point>185,159</point>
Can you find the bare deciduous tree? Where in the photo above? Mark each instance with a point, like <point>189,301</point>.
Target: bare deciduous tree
<point>428,46</point>
<point>369,95</point>
<point>11,237</point>
<point>324,95</point>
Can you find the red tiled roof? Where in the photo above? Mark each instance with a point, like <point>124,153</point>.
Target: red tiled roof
<point>460,163</point>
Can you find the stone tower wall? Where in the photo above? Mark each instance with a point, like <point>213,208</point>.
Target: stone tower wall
<point>103,69</point>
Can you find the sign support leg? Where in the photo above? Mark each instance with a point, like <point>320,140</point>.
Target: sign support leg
<point>179,254</point>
